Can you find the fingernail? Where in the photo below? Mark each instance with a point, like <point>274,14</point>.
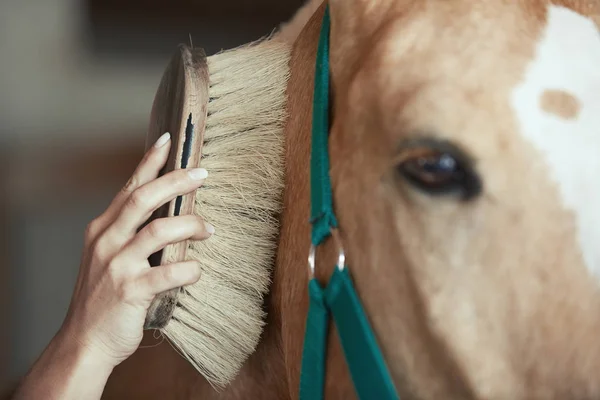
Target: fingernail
<point>209,228</point>
<point>198,270</point>
<point>198,173</point>
<point>162,140</point>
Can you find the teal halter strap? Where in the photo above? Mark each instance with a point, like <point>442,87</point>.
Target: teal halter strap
<point>339,298</point>
<point>322,216</point>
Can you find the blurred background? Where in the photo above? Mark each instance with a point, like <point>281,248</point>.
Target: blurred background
<point>77,80</point>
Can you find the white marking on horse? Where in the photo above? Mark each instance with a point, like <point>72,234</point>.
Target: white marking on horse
<point>567,59</point>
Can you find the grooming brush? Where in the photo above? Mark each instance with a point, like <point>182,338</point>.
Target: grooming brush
<point>225,113</point>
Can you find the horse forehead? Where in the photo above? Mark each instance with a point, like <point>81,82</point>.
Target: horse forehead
<point>557,104</point>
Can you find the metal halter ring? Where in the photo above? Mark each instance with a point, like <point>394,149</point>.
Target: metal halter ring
<point>341,263</point>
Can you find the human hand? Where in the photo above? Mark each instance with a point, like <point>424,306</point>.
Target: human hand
<point>116,284</point>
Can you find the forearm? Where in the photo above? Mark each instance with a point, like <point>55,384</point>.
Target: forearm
<point>65,371</point>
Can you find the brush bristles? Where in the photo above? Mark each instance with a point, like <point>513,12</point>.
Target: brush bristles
<point>219,319</point>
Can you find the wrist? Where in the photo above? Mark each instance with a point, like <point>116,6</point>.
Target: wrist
<point>83,356</point>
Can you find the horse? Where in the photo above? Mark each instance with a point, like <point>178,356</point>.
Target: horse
<point>464,170</point>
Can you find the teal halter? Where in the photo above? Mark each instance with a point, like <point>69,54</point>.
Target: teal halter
<point>366,364</point>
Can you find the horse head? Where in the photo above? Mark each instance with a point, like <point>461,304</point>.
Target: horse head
<point>464,162</point>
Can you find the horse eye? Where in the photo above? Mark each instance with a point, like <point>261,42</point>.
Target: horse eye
<point>440,171</point>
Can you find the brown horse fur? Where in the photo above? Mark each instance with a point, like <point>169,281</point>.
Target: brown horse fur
<point>487,299</point>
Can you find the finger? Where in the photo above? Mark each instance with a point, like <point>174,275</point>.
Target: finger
<point>154,160</point>
<point>165,277</point>
<point>147,198</point>
<point>163,231</point>
<point>147,170</point>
